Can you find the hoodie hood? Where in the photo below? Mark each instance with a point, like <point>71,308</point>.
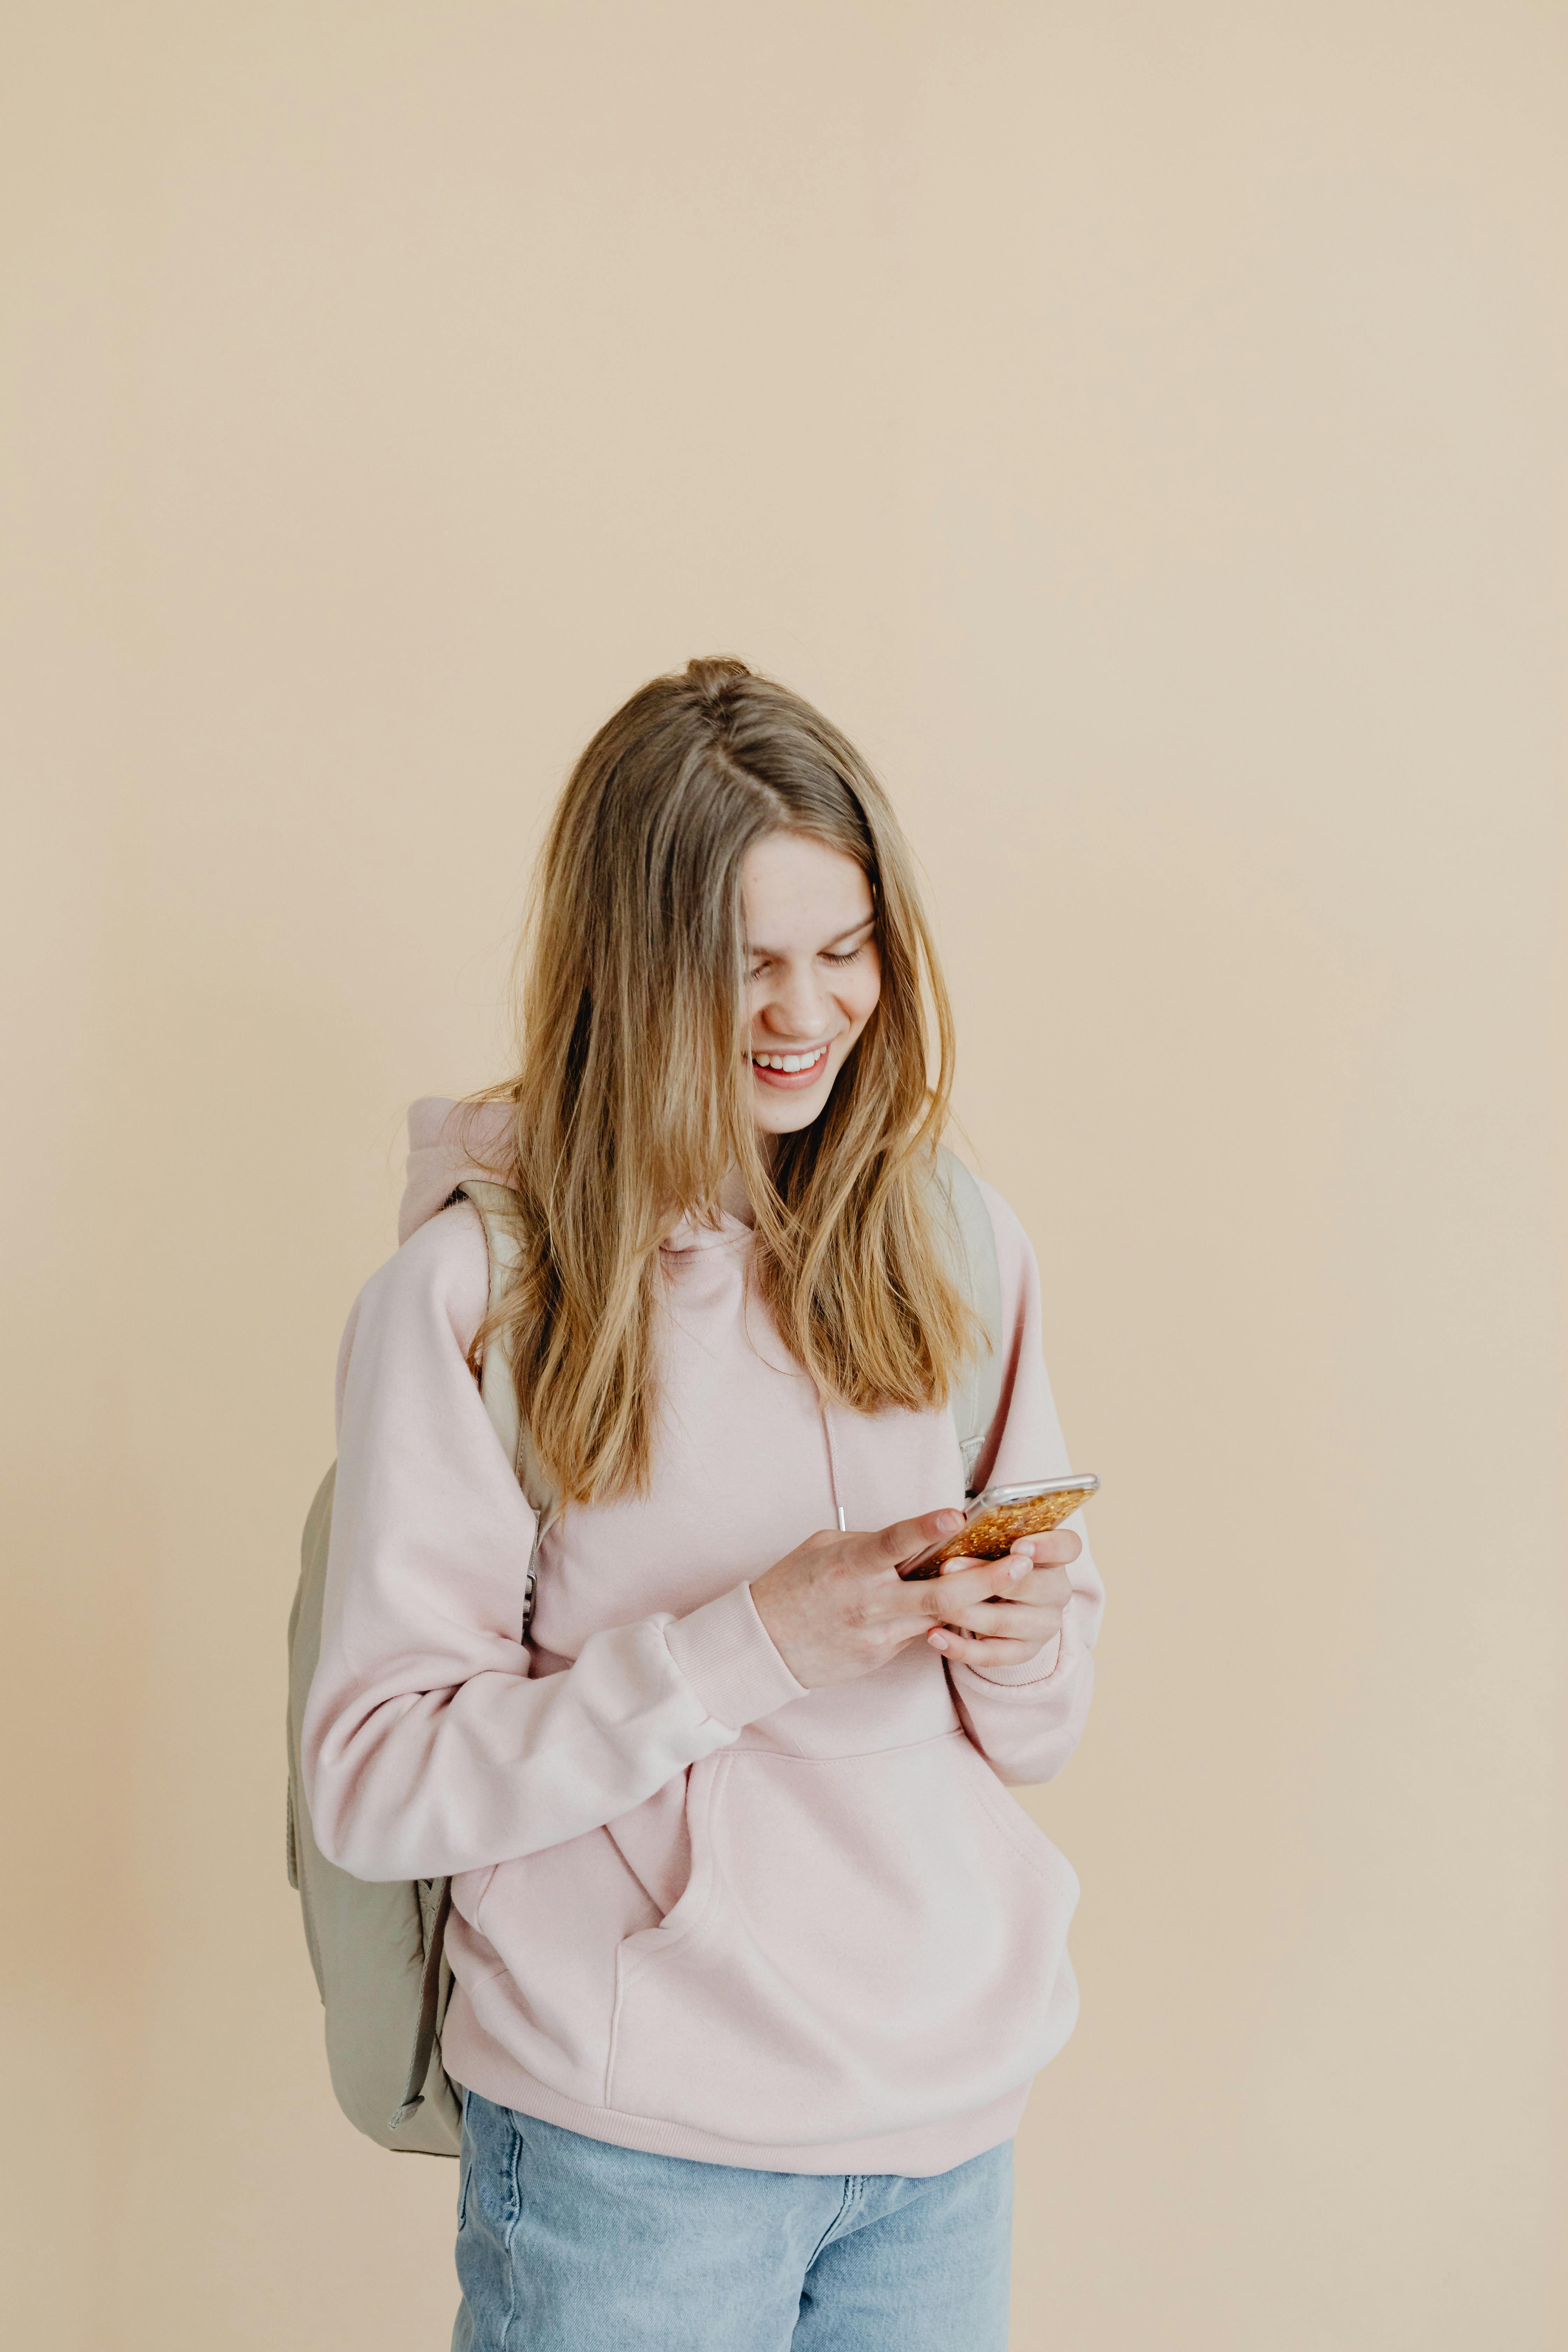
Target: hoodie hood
<point>448,1141</point>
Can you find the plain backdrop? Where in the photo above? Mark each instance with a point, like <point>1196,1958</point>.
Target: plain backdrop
<point>1142,428</point>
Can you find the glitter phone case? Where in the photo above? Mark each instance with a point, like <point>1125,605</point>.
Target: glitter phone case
<point>996,1519</point>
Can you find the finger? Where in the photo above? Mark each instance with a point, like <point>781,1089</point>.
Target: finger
<point>1004,1573</point>
<point>1034,1587</point>
<point>1057,1550</point>
<point>973,1580</point>
<point>964,1649</point>
<point>1003,1620</point>
<point>1042,1587</point>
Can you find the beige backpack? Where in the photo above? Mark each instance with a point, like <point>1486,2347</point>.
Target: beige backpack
<point>378,1949</point>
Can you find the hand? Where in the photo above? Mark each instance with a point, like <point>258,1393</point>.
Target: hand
<point>836,1608</point>
<point>1014,1629</point>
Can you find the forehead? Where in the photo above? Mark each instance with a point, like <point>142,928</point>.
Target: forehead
<point>799,892</point>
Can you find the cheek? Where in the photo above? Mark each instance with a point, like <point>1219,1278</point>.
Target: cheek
<point>862,1001</point>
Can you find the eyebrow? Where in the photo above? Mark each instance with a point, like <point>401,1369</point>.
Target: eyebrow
<point>754,947</point>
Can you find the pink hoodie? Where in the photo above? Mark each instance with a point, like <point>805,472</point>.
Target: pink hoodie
<point>696,1909</point>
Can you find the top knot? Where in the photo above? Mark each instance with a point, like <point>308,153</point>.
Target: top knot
<point>712,673</point>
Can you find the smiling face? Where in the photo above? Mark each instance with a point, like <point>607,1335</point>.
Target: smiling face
<point>813,976</point>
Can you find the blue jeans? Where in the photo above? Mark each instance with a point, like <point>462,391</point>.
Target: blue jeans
<point>567,2244</point>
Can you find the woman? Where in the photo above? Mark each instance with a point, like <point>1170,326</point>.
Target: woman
<point>754,1956</point>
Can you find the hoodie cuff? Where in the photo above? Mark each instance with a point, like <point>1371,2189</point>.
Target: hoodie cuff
<point>724,1652</point>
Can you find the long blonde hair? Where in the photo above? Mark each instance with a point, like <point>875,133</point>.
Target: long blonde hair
<point>633,1100</point>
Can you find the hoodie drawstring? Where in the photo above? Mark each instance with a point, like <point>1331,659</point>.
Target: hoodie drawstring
<point>839,1519</point>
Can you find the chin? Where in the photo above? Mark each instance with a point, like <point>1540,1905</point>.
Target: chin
<point>787,1118</point>
<point>777,1114</point>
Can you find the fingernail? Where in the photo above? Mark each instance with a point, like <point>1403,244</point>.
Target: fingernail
<point>939,1641</point>
<point>951,1521</point>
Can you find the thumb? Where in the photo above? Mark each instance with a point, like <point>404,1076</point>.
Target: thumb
<point>907,1539</point>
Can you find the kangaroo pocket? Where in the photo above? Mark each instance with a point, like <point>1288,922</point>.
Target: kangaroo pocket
<point>865,1942</point>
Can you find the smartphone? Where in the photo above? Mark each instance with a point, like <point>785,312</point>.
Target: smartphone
<point>994,1521</point>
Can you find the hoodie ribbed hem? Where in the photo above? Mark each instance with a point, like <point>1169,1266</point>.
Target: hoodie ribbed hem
<point>471,2058</point>
<point>725,1654</point>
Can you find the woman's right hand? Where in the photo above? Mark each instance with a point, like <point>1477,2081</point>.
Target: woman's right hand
<point>836,1607</point>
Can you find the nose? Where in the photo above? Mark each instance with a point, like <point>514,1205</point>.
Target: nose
<point>797,1008</point>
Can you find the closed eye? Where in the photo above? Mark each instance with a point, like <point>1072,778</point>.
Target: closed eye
<point>826,955</point>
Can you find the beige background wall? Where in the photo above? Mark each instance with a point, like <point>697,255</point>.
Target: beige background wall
<point>1143,427</point>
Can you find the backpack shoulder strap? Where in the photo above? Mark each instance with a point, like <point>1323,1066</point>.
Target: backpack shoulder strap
<point>973,1243</point>
<point>497,1205</point>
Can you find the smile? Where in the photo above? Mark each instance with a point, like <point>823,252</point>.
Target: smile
<point>790,1069</point>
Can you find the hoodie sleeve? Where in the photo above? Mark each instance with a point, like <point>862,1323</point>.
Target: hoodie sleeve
<point>427,1748</point>
<point>1027,1720</point>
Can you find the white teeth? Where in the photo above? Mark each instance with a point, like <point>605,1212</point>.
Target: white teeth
<point>790,1062</point>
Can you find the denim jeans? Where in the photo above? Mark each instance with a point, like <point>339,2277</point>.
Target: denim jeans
<point>568,2244</point>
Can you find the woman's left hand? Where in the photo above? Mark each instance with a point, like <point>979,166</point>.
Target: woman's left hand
<point>1011,1632</point>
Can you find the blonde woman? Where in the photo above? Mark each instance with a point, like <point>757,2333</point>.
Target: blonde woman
<point>754,1958</point>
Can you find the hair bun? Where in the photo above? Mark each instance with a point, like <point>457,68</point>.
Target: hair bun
<point>711,673</point>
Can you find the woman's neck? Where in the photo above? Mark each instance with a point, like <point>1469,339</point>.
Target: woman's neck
<point>733,1197</point>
